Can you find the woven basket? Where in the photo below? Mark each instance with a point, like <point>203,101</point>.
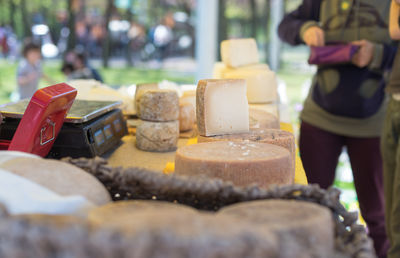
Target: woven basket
<point>78,240</point>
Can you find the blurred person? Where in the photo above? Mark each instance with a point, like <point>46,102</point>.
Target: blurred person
<point>346,103</point>
<point>76,67</point>
<point>163,35</point>
<point>390,144</point>
<point>29,71</point>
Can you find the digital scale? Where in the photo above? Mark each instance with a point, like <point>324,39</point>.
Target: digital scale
<point>91,128</point>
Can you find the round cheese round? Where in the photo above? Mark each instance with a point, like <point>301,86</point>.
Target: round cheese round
<point>271,136</point>
<point>158,106</point>
<point>186,117</point>
<point>172,230</point>
<point>157,136</point>
<point>303,227</point>
<point>243,163</point>
<point>262,119</point>
<point>60,177</point>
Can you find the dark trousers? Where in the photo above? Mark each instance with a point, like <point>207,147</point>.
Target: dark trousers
<point>391,167</point>
<point>320,151</point>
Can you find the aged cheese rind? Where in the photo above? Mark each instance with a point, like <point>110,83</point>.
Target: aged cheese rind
<point>262,119</point>
<point>157,136</point>
<point>187,116</point>
<point>241,163</point>
<point>304,228</point>
<point>142,88</point>
<point>159,106</point>
<point>221,107</point>
<point>272,136</point>
<point>239,52</point>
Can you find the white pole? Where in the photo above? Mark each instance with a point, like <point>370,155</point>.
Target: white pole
<point>206,37</point>
<point>275,44</point>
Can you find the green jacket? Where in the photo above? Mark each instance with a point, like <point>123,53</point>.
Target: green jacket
<point>345,99</point>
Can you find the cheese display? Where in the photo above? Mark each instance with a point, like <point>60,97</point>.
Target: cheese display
<point>306,228</point>
<point>239,52</point>
<point>261,84</point>
<point>159,106</point>
<point>262,119</point>
<point>142,88</point>
<point>221,107</point>
<point>157,136</point>
<point>62,178</point>
<point>186,117</point>
<point>243,163</point>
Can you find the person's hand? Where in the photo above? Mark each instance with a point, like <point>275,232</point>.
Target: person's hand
<point>314,36</point>
<point>397,1</point>
<point>364,55</point>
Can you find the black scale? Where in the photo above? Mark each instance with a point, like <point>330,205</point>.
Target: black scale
<point>91,128</point>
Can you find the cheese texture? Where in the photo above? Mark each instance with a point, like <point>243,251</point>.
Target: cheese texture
<point>159,106</point>
<point>272,136</point>
<point>142,88</point>
<point>157,136</point>
<point>305,228</point>
<point>241,163</point>
<point>239,52</point>
<point>186,117</point>
<point>270,108</point>
<point>262,119</point>
<point>261,84</point>
<point>221,107</point>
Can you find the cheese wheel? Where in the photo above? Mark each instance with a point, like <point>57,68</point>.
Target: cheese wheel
<point>261,84</point>
<point>239,52</point>
<point>117,214</point>
<point>239,162</point>
<point>159,106</point>
<point>302,227</point>
<point>221,107</point>
<point>142,88</point>
<point>186,117</point>
<point>60,177</point>
<point>262,119</point>
<point>272,136</point>
<point>157,136</point>
<point>157,229</point>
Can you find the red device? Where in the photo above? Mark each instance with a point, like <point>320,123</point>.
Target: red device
<point>43,119</point>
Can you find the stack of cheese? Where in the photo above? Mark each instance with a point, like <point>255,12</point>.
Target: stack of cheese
<point>246,156</point>
<point>240,60</point>
<point>158,110</point>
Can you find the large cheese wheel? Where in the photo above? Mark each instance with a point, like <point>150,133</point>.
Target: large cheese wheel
<point>239,52</point>
<point>262,119</point>
<point>142,88</point>
<point>159,106</point>
<point>243,163</point>
<point>186,116</point>
<point>272,136</point>
<point>304,228</point>
<point>114,213</point>
<point>60,177</point>
<point>170,230</point>
<point>221,107</point>
<point>157,136</point>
